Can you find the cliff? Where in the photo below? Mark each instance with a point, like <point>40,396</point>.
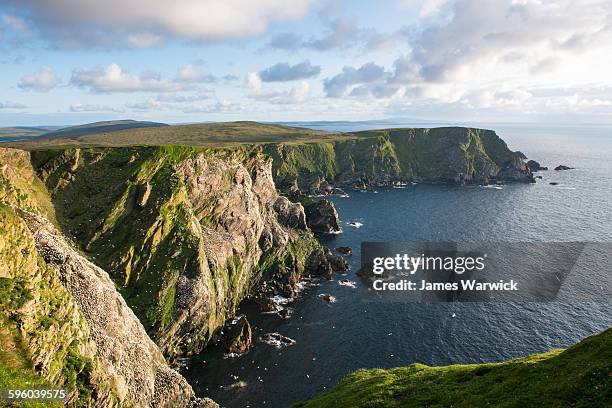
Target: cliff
<point>62,322</point>
<point>389,156</point>
<point>185,233</point>
<point>576,377</point>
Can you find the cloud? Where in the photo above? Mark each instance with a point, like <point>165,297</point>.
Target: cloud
<point>545,66</point>
<point>297,94</point>
<point>340,33</point>
<point>192,73</point>
<point>149,104</point>
<point>254,81</point>
<point>15,23</point>
<point>338,85</point>
<point>181,98</point>
<point>478,32</point>
<point>114,79</point>
<point>42,81</point>
<point>79,107</point>
<point>284,72</point>
<point>148,22</point>
<point>11,105</point>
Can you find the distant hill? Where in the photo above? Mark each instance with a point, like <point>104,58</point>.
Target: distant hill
<point>23,132</point>
<point>205,134</point>
<point>99,127</point>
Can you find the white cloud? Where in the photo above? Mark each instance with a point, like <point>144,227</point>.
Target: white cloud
<point>149,104</point>
<point>80,107</point>
<point>199,20</point>
<point>42,81</point>
<point>11,105</point>
<point>254,81</point>
<point>144,39</point>
<point>192,73</point>
<point>15,22</point>
<point>114,79</point>
<point>296,95</point>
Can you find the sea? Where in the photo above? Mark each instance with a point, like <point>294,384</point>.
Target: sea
<point>334,339</point>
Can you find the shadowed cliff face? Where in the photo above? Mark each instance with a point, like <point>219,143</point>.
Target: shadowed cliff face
<point>187,234</point>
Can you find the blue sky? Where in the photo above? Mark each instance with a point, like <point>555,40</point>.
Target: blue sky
<point>76,61</point>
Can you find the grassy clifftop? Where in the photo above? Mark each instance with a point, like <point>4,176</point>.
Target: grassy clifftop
<point>580,376</point>
<point>206,134</point>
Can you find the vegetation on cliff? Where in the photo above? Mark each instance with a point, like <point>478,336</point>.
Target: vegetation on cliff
<point>186,233</point>
<point>577,377</point>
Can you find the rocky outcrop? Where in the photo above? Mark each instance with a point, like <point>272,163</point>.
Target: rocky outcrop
<point>290,214</point>
<point>345,250</point>
<point>563,167</point>
<point>238,335</point>
<point>322,262</point>
<point>322,216</point>
<point>130,361</point>
<point>535,166</point>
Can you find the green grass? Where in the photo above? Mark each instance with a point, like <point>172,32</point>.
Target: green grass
<point>580,376</point>
<point>209,134</point>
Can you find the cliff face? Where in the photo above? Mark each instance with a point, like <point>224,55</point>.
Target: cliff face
<point>384,157</point>
<point>61,317</point>
<point>186,233</point>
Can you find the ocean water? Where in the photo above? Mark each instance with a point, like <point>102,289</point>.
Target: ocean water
<point>333,339</point>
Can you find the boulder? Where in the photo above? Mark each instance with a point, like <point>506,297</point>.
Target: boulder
<point>328,298</point>
<point>322,262</point>
<point>238,335</point>
<point>563,167</point>
<point>345,250</point>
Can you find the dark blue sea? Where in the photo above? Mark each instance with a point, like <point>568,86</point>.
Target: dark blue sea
<point>333,339</point>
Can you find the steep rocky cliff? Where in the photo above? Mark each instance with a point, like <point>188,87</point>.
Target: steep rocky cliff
<point>61,317</point>
<point>186,233</point>
<point>384,157</point>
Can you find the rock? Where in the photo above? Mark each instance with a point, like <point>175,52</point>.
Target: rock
<point>285,313</point>
<point>345,250</point>
<point>290,214</point>
<point>322,262</point>
<point>266,305</point>
<point>130,359</point>
<point>328,298</point>
<point>338,263</point>
<point>563,167</point>
<point>143,191</point>
<point>538,177</point>
<point>278,340</point>
<point>318,265</point>
<point>238,335</point>
<point>535,166</point>
<point>322,217</point>
<point>553,183</point>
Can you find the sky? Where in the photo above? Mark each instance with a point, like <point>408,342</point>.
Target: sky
<point>67,62</point>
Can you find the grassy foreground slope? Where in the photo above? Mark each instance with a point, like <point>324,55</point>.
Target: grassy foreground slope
<point>580,376</point>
